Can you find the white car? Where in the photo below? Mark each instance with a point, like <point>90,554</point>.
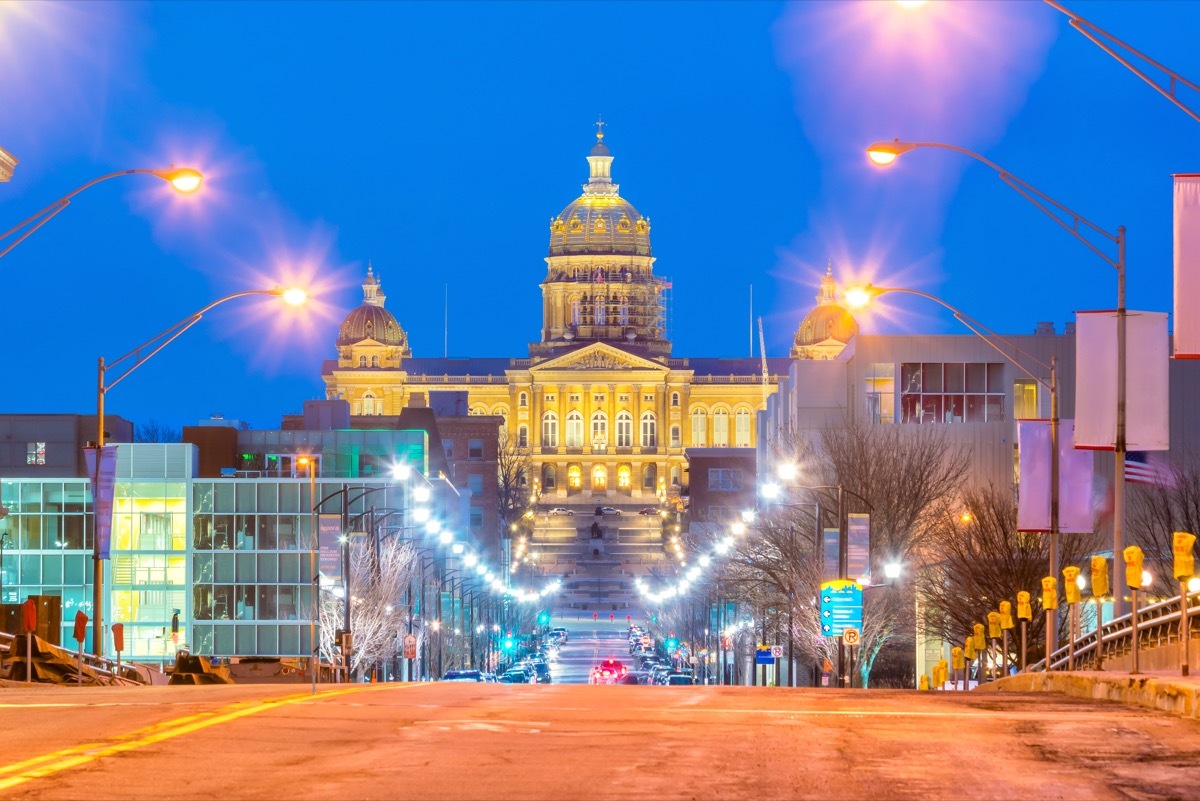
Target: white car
<point>608,510</point>
<point>561,510</point>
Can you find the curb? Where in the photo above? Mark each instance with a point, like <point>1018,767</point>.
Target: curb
<point>1176,696</point>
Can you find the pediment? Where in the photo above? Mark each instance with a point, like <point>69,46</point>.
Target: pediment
<point>599,356</point>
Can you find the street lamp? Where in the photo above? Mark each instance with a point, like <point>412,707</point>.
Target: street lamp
<point>885,153</point>
<point>860,297</point>
<point>8,163</point>
<point>315,658</point>
<point>139,356</point>
<point>184,179</point>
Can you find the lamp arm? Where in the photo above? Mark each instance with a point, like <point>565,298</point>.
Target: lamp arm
<point>164,338</point>
<point>1075,222</point>
<point>1108,43</point>
<point>40,218</point>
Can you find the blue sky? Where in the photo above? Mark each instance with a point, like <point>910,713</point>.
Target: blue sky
<point>437,140</point>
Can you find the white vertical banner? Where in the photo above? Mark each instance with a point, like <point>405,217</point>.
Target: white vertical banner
<point>1187,266</point>
<point>1075,471</point>
<point>1147,357</point>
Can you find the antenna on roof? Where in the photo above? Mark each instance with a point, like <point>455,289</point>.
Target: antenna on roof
<point>446,331</point>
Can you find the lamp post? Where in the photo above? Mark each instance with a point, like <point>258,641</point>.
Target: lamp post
<point>315,587</point>
<point>886,153</point>
<point>139,356</point>
<point>183,179</point>
<point>859,297</point>
<point>771,492</point>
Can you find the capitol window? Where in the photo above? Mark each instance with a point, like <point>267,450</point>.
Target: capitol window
<point>522,400</point>
<point>675,437</point>
<point>374,361</point>
<point>523,437</point>
<point>649,430</point>
<point>624,430</point>
<point>362,361</point>
<point>699,428</point>
<point>574,430</point>
<point>548,397</point>
<point>741,427</point>
<point>550,430</point>
<point>721,428</point>
<point>599,428</point>
<point>674,398</point>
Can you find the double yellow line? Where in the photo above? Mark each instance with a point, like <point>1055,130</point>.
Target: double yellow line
<point>45,765</point>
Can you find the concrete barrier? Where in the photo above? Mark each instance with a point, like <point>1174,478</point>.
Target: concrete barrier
<point>1177,695</point>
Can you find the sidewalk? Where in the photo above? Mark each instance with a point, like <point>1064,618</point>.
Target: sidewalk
<point>1165,691</point>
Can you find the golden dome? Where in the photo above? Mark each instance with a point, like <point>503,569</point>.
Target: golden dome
<point>827,321</point>
<point>371,320</point>
<point>600,221</point>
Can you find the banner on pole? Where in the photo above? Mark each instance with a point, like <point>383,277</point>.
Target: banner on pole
<point>1075,471</point>
<point>858,546</point>
<point>103,485</point>
<point>1146,391</point>
<point>329,547</point>
<point>1187,266</point>
<point>830,542</point>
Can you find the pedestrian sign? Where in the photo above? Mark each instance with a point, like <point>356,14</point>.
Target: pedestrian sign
<point>841,607</point>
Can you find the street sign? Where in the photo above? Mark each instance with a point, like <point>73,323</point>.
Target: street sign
<point>777,651</point>
<point>851,636</point>
<point>410,646</point>
<point>762,655</point>
<point>841,607</point>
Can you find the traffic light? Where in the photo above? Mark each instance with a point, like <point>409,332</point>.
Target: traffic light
<point>629,618</point>
<point>672,643</point>
<point>544,619</point>
<point>595,615</point>
<point>508,644</point>
<point>654,618</point>
<point>611,617</point>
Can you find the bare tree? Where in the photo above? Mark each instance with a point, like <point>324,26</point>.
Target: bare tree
<point>513,464</point>
<point>975,558</point>
<point>378,579</point>
<point>155,431</point>
<point>1157,511</point>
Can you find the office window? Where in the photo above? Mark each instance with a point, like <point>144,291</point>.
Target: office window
<point>35,453</point>
<point>881,393</point>
<point>476,517</point>
<point>721,428</point>
<point>475,450</point>
<point>724,479</point>
<point>448,447</point>
<point>1025,399</point>
<point>475,484</point>
<point>699,428</point>
<point>649,430</point>
<point>954,392</point>
<point>624,430</point>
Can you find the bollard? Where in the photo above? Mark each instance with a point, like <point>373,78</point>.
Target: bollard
<point>1006,623</point>
<point>1025,614</point>
<point>1183,544</point>
<point>1099,590</point>
<point>1133,579</point>
<point>1050,604</point>
<point>1071,591</point>
<point>960,665</point>
<point>993,623</point>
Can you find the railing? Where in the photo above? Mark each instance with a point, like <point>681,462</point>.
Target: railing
<point>1159,624</point>
<point>104,668</point>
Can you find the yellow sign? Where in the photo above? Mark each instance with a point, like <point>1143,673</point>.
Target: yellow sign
<point>1133,567</point>
<point>993,625</point>
<point>1070,584</point>
<point>1049,593</point>
<point>1182,544</point>
<point>1099,577</point>
<point>1006,618</point>
<point>1024,609</point>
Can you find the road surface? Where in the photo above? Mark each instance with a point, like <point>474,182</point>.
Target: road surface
<point>494,741</point>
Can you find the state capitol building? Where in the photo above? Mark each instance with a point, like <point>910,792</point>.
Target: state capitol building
<point>600,404</point>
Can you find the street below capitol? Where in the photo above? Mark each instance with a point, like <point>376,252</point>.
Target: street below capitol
<point>567,740</point>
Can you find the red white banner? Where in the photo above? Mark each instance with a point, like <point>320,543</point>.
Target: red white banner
<point>1075,471</point>
<point>1147,358</point>
<point>104,482</point>
<point>1187,266</point>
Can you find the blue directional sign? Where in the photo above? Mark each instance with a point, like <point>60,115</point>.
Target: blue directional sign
<point>841,607</point>
<point>763,655</point>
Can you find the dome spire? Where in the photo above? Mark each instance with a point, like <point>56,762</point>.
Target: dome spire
<point>828,294</point>
<point>372,288</point>
<point>600,166</point>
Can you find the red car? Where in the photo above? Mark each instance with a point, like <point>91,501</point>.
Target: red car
<point>610,671</point>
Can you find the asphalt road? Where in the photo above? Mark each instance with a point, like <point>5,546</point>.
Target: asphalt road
<point>591,641</point>
<point>476,741</point>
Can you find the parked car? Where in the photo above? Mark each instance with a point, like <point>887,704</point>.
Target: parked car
<point>607,511</point>
<point>515,676</point>
<point>561,510</point>
<point>562,632</point>
<point>649,510</point>
<point>679,678</point>
<point>463,675</point>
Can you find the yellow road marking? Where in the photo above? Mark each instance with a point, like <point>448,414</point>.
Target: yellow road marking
<point>48,764</point>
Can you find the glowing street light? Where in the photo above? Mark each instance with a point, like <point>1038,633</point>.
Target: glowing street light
<point>183,179</point>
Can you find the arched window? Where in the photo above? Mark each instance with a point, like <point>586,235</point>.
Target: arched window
<point>478,411</point>
<point>502,413</point>
<point>362,361</point>
<point>600,310</point>
<point>650,477</point>
<point>720,428</point>
<point>523,400</point>
<point>675,439</point>
<point>674,398</point>
<point>374,361</point>
<point>548,477</point>
<point>624,312</point>
<point>522,479</point>
<point>624,429</point>
<point>576,319</point>
<point>599,428</point>
<point>624,477</point>
<point>675,476</point>
<point>599,477</point>
<point>574,476</point>
<point>649,430</point>
<point>550,430</point>
<point>369,406</point>
<point>741,428</point>
<point>699,428</point>
<point>523,436</point>
<point>574,430</point>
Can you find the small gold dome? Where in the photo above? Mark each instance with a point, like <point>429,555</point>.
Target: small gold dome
<point>828,321</point>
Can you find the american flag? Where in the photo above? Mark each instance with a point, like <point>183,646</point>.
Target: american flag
<point>1139,469</point>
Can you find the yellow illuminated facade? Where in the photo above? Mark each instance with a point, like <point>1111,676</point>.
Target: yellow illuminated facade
<point>600,403</point>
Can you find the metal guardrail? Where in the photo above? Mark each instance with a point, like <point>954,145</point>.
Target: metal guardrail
<point>1159,624</point>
